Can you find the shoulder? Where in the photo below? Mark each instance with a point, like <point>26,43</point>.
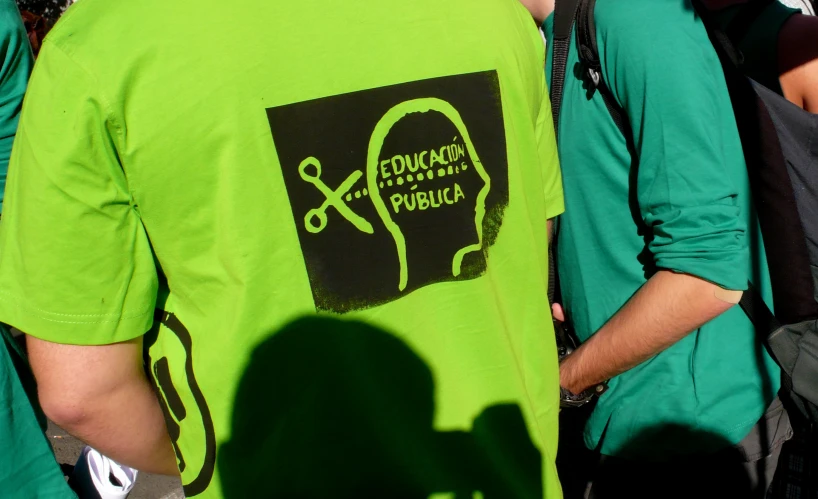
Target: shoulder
<point>663,36</point>
<point>11,23</point>
<point>798,61</point>
<point>10,12</point>
<point>636,22</point>
<point>98,26</point>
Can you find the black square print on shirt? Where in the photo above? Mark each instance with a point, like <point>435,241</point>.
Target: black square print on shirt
<point>394,188</point>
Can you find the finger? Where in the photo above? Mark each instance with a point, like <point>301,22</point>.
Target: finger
<point>558,312</point>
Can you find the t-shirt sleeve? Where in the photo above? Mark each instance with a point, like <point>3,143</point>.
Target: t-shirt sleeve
<point>15,67</point>
<point>667,76</point>
<point>76,266</point>
<point>549,160</point>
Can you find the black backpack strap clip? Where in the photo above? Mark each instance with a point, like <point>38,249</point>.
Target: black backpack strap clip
<point>592,66</point>
<point>592,70</point>
<point>586,43</point>
<point>565,13</point>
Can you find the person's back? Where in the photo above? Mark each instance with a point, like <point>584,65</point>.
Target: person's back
<point>252,163</point>
<point>656,244</point>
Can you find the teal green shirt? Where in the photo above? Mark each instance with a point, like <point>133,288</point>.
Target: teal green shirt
<point>15,66</point>
<point>27,465</point>
<point>28,469</point>
<point>681,204</point>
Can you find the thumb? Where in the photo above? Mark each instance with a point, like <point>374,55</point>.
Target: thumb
<point>558,312</point>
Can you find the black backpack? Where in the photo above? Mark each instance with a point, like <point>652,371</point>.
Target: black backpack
<point>780,143</point>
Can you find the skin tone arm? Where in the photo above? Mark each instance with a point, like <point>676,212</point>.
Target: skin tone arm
<point>100,395</point>
<point>797,59</point>
<point>665,310</point>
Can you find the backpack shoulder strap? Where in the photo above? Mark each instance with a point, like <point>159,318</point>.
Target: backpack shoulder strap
<point>592,65</point>
<point>753,305</point>
<point>722,40</point>
<point>565,13</point>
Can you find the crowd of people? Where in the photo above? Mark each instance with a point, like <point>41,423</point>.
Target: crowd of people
<point>438,248</point>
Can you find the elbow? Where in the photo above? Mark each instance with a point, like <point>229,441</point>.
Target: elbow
<point>80,388</point>
<point>723,303</point>
<point>709,299</point>
<point>717,302</point>
<point>69,413</point>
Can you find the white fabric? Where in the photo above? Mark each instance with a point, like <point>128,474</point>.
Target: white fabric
<point>92,472</point>
<point>804,5</point>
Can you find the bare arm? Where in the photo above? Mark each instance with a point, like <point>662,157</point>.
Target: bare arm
<point>797,57</point>
<point>665,310</point>
<point>100,395</point>
<point>798,61</point>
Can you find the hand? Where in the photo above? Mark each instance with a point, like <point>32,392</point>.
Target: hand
<point>566,346</point>
<point>567,378</point>
<point>664,310</point>
<point>570,395</point>
<point>566,343</point>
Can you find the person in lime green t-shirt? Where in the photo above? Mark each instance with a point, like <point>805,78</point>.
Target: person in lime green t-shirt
<point>325,222</point>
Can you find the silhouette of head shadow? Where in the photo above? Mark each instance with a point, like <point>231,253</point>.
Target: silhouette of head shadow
<point>718,475</point>
<point>331,408</point>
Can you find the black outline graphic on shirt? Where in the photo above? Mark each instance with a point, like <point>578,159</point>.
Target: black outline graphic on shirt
<point>175,411</point>
<point>333,198</point>
<point>394,188</point>
<point>376,143</point>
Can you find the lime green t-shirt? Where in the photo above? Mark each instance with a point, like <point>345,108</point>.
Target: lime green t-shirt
<point>338,210</point>
<point>681,202</point>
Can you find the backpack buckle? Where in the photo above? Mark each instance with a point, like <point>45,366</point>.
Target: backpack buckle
<point>595,76</point>
<point>591,64</point>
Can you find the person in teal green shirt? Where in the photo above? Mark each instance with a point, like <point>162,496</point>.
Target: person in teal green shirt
<point>15,68</point>
<point>27,465</point>
<point>28,469</point>
<point>654,250</point>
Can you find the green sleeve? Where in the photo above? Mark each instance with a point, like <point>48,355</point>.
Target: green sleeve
<point>666,75</point>
<point>76,266</point>
<point>27,465</point>
<point>15,67</point>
